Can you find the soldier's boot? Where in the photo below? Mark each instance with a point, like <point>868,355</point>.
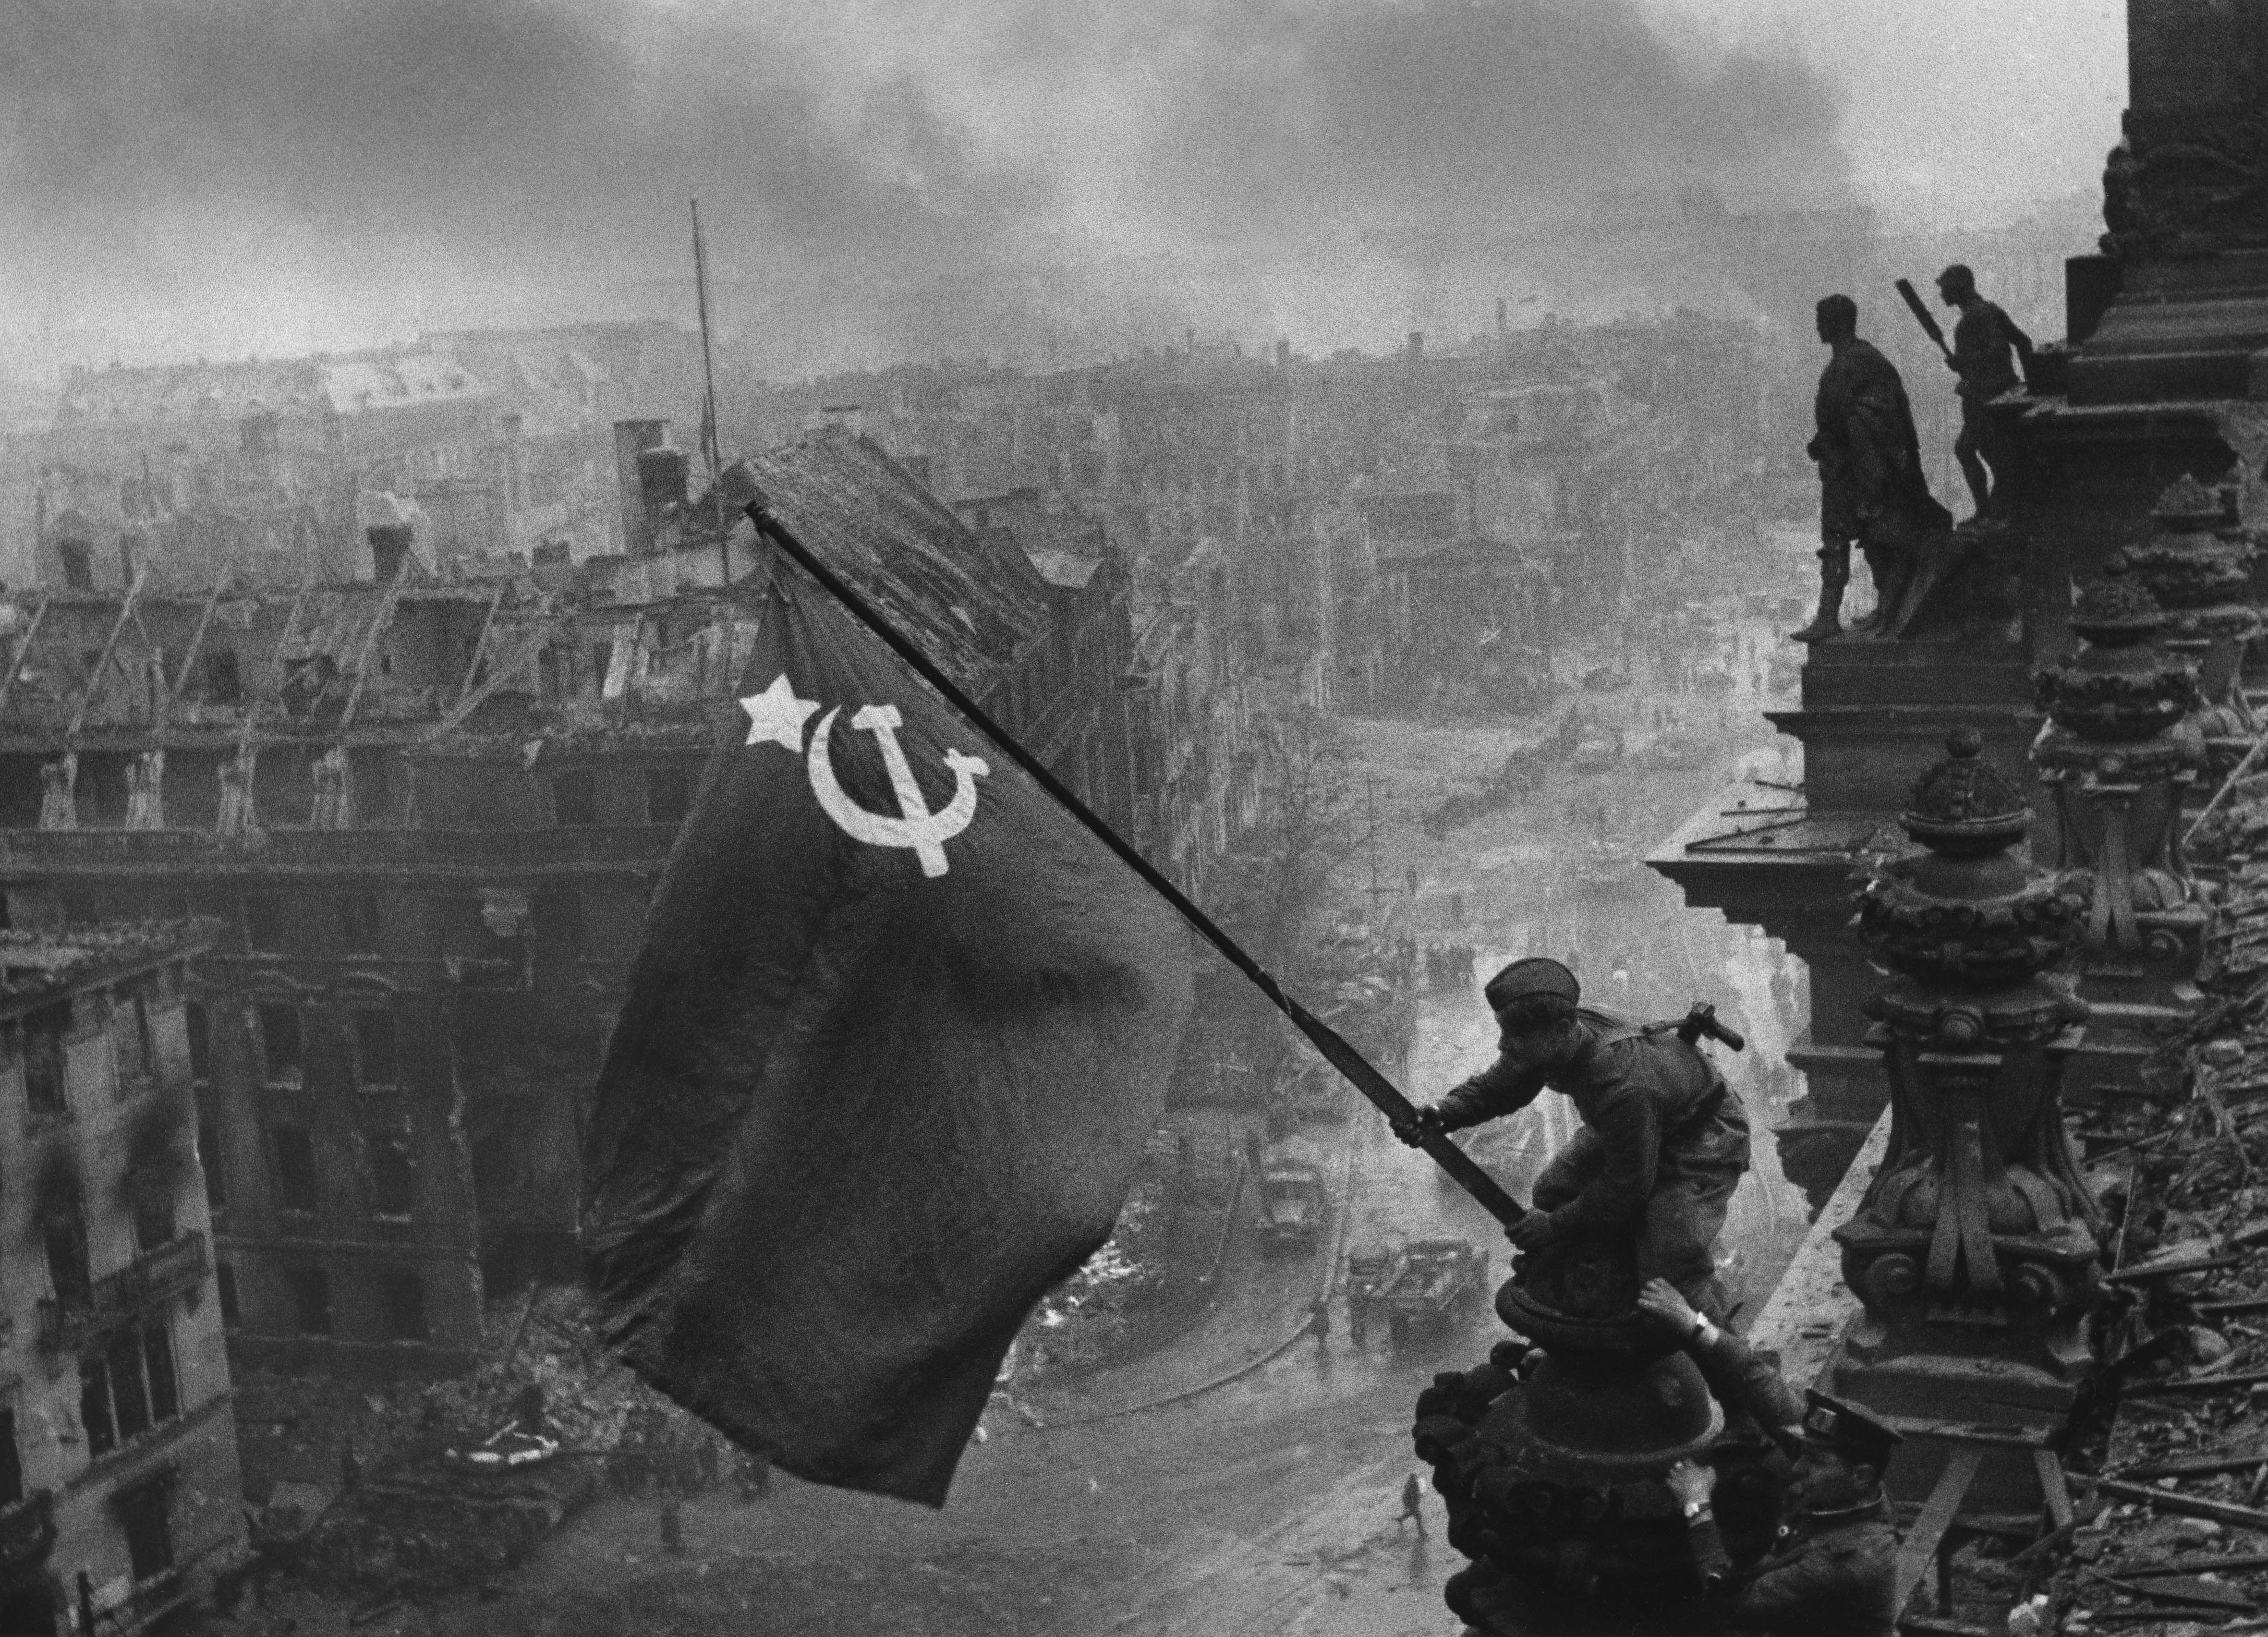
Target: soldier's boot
<point>1825,624</point>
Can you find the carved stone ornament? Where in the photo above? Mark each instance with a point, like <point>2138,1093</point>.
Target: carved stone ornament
<point>1978,1220</point>
<point>2122,745</point>
<point>2186,185</point>
<point>2120,686</point>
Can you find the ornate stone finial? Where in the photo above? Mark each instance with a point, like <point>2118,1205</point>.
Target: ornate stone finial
<point>1964,915</point>
<point>1963,805</point>
<point>1979,1214</point>
<point>2194,558</point>
<point>2121,686</point>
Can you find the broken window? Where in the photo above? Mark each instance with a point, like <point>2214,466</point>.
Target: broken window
<point>153,1210</point>
<point>359,926</point>
<point>402,1294</point>
<point>669,795</point>
<point>44,1032</point>
<point>63,1232</point>
<point>279,1044</point>
<point>310,1299</point>
<point>294,1167</point>
<point>78,564</point>
<point>392,1182</point>
<point>129,1031</point>
<point>12,1460</point>
<point>94,1407</point>
<point>158,1355</point>
<point>376,1063</point>
<point>144,1518</point>
<point>224,1282</point>
<point>200,1030</point>
<point>559,918</point>
<point>575,797</point>
<point>263,924</point>
<point>223,684</point>
<point>130,1392</point>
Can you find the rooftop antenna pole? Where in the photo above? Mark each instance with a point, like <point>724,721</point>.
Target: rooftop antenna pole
<point>709,438</point>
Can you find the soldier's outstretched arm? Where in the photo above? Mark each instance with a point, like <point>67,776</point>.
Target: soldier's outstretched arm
<point>1497,1090</point>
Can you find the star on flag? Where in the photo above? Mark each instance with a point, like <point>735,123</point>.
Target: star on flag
<point>776,716</point>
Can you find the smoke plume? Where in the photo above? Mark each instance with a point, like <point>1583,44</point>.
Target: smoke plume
<point>878,179</point>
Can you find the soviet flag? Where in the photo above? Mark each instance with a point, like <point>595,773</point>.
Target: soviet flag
<point>897,1033</point>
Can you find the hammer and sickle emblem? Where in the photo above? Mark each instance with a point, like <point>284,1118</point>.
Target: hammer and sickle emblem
<point>915,825</point>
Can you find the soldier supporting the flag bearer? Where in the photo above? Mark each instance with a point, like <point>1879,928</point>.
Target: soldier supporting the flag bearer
<point>1663,1142</point>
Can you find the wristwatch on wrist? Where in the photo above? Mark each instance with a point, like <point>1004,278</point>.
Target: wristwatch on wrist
<point>1696,1510</point>
<point>1703,1334</point>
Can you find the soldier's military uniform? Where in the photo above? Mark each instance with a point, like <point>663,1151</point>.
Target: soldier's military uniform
<point>1827,1573</point>
<point>1663,1143</point>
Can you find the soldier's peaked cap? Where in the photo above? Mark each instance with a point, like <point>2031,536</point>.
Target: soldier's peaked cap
<point>1847,1429</point>
<point>1538,974</point>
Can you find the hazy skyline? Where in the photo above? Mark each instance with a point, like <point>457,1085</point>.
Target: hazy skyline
<point>892,177</point>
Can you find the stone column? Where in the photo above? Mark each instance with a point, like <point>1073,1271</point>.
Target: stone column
<point>1974,1252</point>
<point>2121,747</point>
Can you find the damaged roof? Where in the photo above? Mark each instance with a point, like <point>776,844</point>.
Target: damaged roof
<point>975,605</point>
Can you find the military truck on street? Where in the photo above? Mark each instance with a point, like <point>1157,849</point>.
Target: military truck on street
<point>1428,1284</point>
<point>1293,1200</point>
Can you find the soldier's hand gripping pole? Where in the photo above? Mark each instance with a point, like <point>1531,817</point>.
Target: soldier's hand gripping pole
<point>1923,316</point>
<point>1357,1069</point>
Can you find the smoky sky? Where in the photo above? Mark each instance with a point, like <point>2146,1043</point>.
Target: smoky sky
<point>878,179</point>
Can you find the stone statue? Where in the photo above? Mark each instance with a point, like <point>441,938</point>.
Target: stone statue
<point>1872,491</point>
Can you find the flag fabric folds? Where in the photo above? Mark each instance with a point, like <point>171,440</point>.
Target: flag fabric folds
<point>897,1034</point>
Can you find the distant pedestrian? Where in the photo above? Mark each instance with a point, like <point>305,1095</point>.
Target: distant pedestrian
<point>1319,1320</point>
<point>1412,1507</point>
<point>1410,875</point>
<point>1355,1320</point>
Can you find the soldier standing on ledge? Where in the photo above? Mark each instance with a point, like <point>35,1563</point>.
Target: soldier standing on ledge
<point>1986,345</point>
<point>1870,473</point>
<point>1664,1139</point>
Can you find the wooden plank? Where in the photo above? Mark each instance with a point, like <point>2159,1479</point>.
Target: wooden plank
<point>2049,1470</point>
<point>2195,1469</point>
<point>1936,1516</point>
<point>2200,1565</point>
<point>481,645</point>
<point>197,640</point>
<point>2248,1304</point>
<point>1966,1432</point>
<point>102,661</point>
<point>2193,1385</point>
<point>2171,1269</point>
<point>2185,1506</point>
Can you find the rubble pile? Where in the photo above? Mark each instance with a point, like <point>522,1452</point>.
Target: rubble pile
<point>2171,1533</point>
<point>412,1521</point>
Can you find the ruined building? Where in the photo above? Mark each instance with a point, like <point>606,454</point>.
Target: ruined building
<point>120,1498</point>
<point>426,817</point>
